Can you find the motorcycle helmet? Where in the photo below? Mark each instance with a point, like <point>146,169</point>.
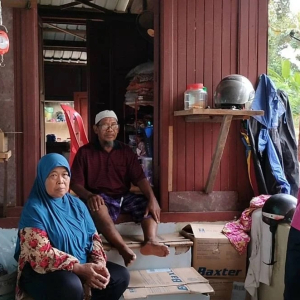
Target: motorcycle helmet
<point>278,209</point>
<point>234,91</point>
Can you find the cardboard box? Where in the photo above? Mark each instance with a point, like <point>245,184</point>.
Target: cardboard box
<point>222,288</point>
<point>154,282</point>
<point>3,142</point>
<point>213,255</point>
<point>227,290</point>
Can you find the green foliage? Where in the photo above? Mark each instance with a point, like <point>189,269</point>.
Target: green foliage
<point>288,81</point>
<point>285,74</point>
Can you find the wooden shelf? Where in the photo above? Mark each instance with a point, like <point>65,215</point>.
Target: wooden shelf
<point>217,115</point>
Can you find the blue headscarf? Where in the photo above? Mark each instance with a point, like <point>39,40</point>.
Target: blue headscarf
<point>66,220</point>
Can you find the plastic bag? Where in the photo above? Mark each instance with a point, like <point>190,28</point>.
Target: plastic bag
<point>8,265</point>
<point>145,68</point>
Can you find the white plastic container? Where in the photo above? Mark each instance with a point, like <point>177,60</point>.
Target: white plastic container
<point>195,96</point>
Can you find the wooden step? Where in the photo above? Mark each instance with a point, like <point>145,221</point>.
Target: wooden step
<point>11,222</point>
<point>14,213</point>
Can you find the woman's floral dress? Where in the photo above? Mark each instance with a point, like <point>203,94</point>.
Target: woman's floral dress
<point>37,250</point>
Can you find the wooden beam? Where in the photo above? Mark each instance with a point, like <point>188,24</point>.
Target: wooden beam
<point>193,201</point>
<point>67,31</point>
<point>215,216</point>
<point>82,33</point>
<point>214,167</point>
<point>27,99</point>
<point>199,216</point>
<point>51,14</point>
<point>64,45</point>
<point>69,5</point>
<point>95,6</point>
<point>19,3</point>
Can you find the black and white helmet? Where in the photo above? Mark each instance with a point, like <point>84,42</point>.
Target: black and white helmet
<point>234,91</point>
<point>279,208</point>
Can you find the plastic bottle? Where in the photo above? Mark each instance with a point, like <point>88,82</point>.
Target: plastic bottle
<point>195,96</point>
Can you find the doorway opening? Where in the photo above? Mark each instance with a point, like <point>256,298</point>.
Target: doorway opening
<point>99,56</point>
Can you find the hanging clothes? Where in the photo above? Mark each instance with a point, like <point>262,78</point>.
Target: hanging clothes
<point>288,145</point>
<point>273,141</point>
<point>238,231</point>
<point>259,271</point>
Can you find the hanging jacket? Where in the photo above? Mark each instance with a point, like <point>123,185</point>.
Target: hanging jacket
<point>273,139</point>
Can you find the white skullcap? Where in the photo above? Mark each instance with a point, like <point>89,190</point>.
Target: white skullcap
<point>105,114</point>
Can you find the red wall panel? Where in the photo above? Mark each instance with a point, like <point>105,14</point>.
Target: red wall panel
<point>203,41</point>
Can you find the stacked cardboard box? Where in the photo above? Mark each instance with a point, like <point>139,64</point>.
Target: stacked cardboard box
<point>177,283</point>
<point>216,259</point>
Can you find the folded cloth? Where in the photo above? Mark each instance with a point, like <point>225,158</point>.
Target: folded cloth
<point>237,231</point>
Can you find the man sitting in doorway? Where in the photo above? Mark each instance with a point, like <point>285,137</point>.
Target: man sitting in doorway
<point>102,173</point>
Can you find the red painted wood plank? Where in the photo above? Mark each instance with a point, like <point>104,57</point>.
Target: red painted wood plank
<point>27,99</point>
<point>253,21</point>
<point>165,98</point>
<point>243,63</point>
<point>262,37</point>
<point>181,163</point>
<point>190,78</point>
<point>234,36</point>
<point>208,78</point>
<point>226,70</point>
<point>199,66</point>
<point>156,133</point>
<point>234,133</point>
<point>217,69</point>
<point>174,95</point>
<point>232,157</point>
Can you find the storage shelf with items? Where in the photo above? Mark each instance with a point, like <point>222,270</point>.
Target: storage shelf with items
<point>138,115</point>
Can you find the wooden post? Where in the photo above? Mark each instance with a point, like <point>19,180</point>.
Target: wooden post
<point>218,153</point>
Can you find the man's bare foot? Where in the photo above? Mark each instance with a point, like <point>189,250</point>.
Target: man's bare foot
<point>155,248</point>
<point>128,255</point>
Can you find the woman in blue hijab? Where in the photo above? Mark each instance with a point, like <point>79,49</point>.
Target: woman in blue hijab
<point>59,249</point>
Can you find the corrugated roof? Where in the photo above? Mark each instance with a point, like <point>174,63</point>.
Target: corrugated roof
<point>65,56</point>
<point>76,33</point>
<point>62,36</point>
<point>115,5</point>
<point>50,33</point>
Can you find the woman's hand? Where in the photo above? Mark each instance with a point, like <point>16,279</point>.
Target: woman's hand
<point>94,275</point>
<point>94,202</point>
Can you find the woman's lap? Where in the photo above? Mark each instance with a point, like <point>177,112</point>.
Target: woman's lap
<point>65,285</point>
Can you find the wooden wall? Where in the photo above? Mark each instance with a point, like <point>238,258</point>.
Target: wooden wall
<point>203,41</point>
<point>62,80</point>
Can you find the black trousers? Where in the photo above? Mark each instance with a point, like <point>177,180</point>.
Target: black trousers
<point>292,266</point>
<point>65,285</point>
